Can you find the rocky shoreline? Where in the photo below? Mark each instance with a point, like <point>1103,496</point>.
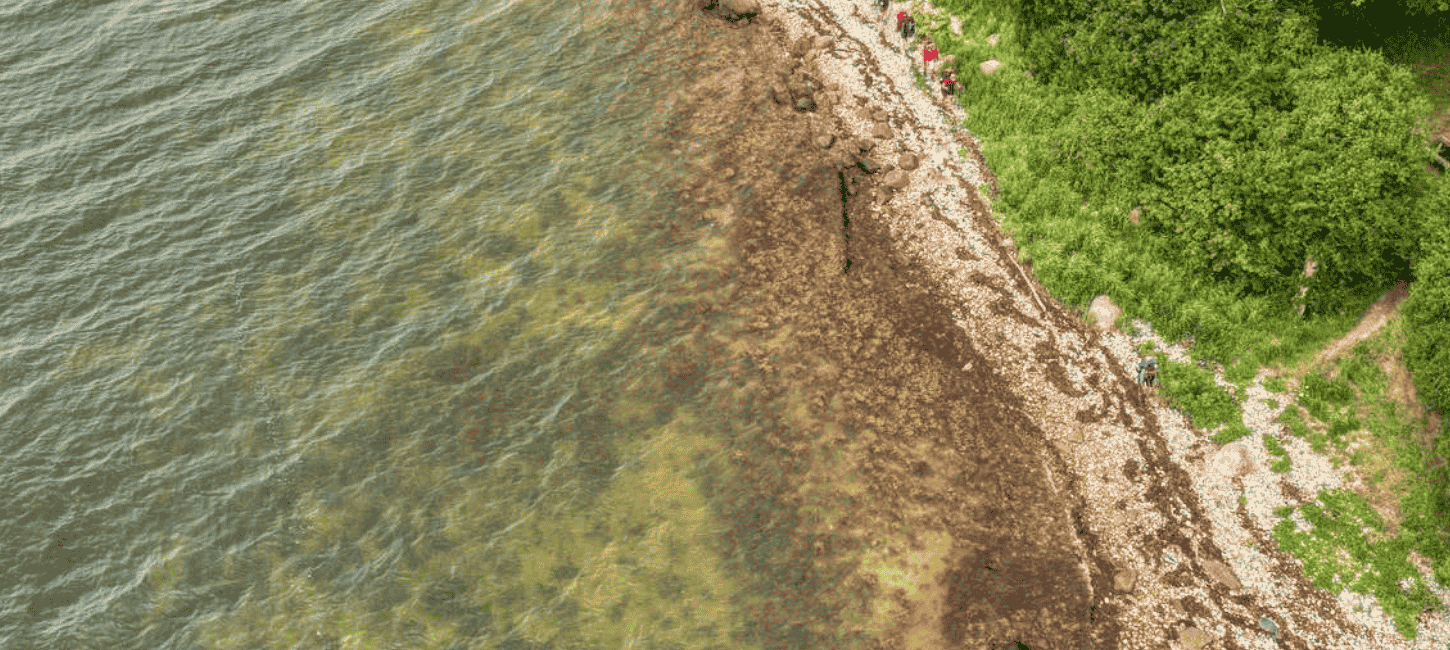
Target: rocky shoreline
<point>1063,509</point>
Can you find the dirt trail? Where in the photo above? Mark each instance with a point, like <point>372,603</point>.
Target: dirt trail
<point>1378,314</point>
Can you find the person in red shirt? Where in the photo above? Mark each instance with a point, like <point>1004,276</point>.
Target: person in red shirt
<point>949,85</point>
<point>929,60</point>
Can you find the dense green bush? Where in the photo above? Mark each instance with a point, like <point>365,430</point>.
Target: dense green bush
<point>1191,389</point>
<point>1260,151</point>
<point>1341,426</point>
<point>1150,48</point>
<point>1427,310</point>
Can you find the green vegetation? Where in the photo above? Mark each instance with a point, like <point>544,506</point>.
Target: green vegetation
<point>1231,433</point>
<point>1374,567</point>
<point>1275,384</point>
<point>1192,389</point>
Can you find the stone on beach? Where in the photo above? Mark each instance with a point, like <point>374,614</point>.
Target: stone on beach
<point>896,179</point>
<point>1221,573</point>
<point>1125,579</point>
<point>1194,638</point>
<point>1105,312</point>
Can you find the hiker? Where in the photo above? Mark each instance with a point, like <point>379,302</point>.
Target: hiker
<point>907,23</point>
<point>948,82</point>
<point>930,60</point>
<point>1147,370</point>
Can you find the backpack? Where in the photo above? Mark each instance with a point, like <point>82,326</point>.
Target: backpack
<point>1147,370</point>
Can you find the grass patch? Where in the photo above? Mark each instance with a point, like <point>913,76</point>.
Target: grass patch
<point>1231,433</point>
<point>1338,520</point>
<point>1273,403</point>
<point>1275,384</point>
<point>1192,390</point>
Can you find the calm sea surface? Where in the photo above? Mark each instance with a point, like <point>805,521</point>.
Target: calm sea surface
<point>340,324</point>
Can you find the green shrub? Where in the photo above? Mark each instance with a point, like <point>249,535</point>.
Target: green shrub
<point>1272,443</point>
<point>1427,310</point>
<point>1273,403</point>
<point>1281,466</point>
<point>1316,408</point>
<point>1191,389</point>
<point>1290,417</point>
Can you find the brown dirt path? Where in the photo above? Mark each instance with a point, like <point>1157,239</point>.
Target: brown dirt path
<point>1377,315</point>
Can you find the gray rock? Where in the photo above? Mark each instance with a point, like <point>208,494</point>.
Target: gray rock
<point>805,104</point>
<point>825,141</point>
<point>896,179</point>
<point>1268,625</point>
<point>907,161</point>
<point>988,67</point>
<point>868,165</point>
<point>1221,573</point>
<point>728,173</point>
<point>865,144</point>
<point>823,42</point>
<point>881,131</point>
<point>1194,638</point>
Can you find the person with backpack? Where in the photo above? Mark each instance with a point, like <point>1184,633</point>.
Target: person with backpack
<point>930,60</point>
<point>948,83</point>
<point>1147,370</point>
<point>907,23</point>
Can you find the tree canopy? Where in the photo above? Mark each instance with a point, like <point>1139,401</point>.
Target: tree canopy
<point>1246,171</point>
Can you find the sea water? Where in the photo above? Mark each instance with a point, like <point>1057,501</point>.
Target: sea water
<point>332,324</point>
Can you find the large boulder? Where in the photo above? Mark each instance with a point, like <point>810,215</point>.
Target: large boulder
<point>881,131</point>
<point>907,161</point>
<point>896,179</point>
<point>988,67</point>
<point>1104,312</point>
<point>824,141</point>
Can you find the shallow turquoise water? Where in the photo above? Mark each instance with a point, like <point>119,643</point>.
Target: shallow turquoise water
<point>324,325</point>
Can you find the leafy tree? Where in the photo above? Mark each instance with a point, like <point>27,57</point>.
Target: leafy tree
<point>1311,161</point>
<point>1150,48</point>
